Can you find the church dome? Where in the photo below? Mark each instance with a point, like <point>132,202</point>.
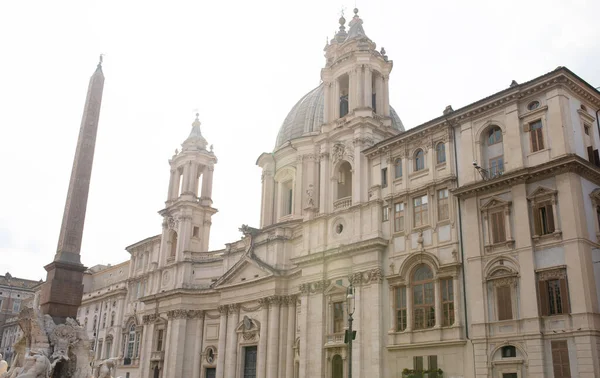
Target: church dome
<point>307,116</point>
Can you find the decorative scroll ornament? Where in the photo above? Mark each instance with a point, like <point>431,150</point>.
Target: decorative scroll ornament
<point>172,223</point>
<point>341,151</point>
<point>552,274</point>
<point>184,314</point>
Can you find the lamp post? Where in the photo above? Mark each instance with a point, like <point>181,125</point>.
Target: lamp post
<point>350,307</point>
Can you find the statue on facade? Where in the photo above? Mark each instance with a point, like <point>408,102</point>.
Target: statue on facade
<point>309,196</point>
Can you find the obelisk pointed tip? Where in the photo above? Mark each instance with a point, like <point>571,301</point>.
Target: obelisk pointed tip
<point>100,60</point>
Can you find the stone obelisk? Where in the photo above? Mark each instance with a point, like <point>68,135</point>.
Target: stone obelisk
<point>61,294</point>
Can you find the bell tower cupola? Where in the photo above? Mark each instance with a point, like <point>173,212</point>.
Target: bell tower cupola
<point>188,212</point>
<point>356,75</point>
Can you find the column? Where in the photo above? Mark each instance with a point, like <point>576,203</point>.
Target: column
<point>360,87</point>
<point>282,352</point>
<point>351,90</point>
<point>291,332</point>
<point>555,215</point>
<point>455,289</point>
<point>261,364</point>
<point>231,355</point>
<point>326,106</point>
<point>171,192</point>
<point>379,94</point>
<point>207,180</point>
<point>222,338</point>
<point>186,178</point>
<point>273,345</point>
<point>507,220</point>
<point>198,344</point>
<point>146,348</point>
<point>267,204</point>
<point>368,91</point>
<point>438,303</point>
<point>409,309</point>
<point>177,340</point>
<point>386,96</point>
<point>392,306</point>
<point>298,193</point>
<point>168,348</point>
<point>323,182</point>
<point>336,100</point>
<point>486,227</point>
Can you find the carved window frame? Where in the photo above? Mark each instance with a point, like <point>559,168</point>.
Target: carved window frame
<point>504,277</point>
<point>492,206</point>
<point>541,197</point>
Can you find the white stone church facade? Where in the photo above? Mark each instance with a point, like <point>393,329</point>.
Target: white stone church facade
<point>471,240</point>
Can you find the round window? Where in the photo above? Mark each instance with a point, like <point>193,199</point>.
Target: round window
<point>533,105</point>
<point>339,228</point>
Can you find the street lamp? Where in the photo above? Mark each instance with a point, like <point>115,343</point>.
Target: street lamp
<point>350,307</point>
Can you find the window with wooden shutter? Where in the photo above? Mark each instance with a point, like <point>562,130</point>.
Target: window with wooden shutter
<point>432,365</point>
<point>544,218</point>
<point>418,363</point>
<point>504,302</point>
<point>553,292</point>
<point>536,135</point>
<point>497,227</point>
<point>443,208</point>
<point>447,301</point>
<point>560,359</point>
<point>398,217</point>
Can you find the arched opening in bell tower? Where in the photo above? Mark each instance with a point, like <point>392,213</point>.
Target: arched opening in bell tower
<point>173,242</point>
<point>374,90</point>
<point>344,184</point>
<point>343,85</point>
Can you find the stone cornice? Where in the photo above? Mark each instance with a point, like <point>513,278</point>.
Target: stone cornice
<point>375,243</point>
<point>559,77</point>
<point>568,163</point>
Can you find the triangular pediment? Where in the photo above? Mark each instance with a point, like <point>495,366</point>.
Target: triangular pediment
<point>541,191</point>
<point>246,269</point>
<point>334,288</point>
<point>495,202</point>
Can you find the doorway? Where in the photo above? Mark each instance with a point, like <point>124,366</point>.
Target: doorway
<point>250,362</point>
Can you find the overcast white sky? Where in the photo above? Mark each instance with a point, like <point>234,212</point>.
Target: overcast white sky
<point>243,65</point>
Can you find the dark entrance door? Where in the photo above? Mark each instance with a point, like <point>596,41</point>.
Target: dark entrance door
<point>337,367</point>
<point>211,373</point>
<point>250,362</point>
<point>156,372</point>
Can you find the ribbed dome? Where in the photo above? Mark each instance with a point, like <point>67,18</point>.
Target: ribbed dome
<point>307,116</point>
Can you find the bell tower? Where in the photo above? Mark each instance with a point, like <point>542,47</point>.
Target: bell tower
<point>355,74</point>
<point>188,212</point>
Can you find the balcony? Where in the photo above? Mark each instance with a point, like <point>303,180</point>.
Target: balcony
<point>342,203</point>
<point>335,339</point>
<point>157,356</point>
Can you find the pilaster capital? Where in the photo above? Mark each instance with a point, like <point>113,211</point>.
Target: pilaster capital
<point>223,309</point>
<point>233,308</point>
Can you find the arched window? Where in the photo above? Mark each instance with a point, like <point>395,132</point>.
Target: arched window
<point>173,244</point>
<point>85,323</point>
<point>419,160</point>
<point>104,320</point>
<point>494,136</point>
<point>112,319</point>
<point>440,153</point>
<point>95,323</point>
<point>344,180</point>
<point>337,367</point>
<point>423,297</point>
<point>398,168</point>
<point>493,151</point>
<point>131,342</point>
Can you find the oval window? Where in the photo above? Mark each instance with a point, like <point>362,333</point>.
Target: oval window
<point>533,105</point>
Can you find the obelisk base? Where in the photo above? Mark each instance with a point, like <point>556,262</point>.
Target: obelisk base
<point>61,295</point>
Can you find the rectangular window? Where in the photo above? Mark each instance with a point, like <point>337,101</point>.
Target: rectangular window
<point>384,177</point>
<point>432,366</point>
<point>159,340</point>
<point>543,216</point>
<point>497,227</point>
<point>398,168</point>
<point>553,293</point>
<point>443,212</point>
<point>338,317</point>
<point>420,211</point>
<point>250,353</point>
<point>289,201</point>
<point>400,308</point>
<point>16,305</point>
<point>386,213</point>
<point>496,166</point>
<point>398,217</point>
<point>560,359</point>
<point>536,135</point>
<point>586,128</point>
<point>447,301</point>
<point>99,354</point>
<point>418,364</point>
<point>504,303</point>
<point>196,232</point>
